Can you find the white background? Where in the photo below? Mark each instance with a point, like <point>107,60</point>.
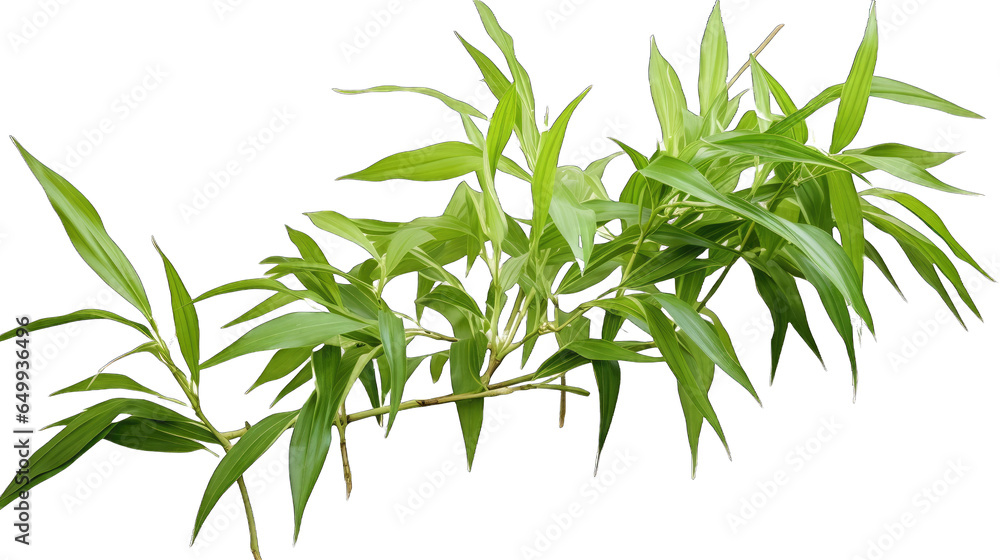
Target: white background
<point>197,83</point>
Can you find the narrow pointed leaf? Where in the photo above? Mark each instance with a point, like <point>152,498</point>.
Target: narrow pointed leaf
<point>86,232</point>
<point>857,88</point>
<point>452,103</point>
<point>294,330</point>
<point>258,439</point>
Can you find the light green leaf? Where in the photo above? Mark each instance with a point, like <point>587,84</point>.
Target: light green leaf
<point>714,61</point>
<point>576,223</point>
<point>437,162</point>
<point>281,364</point>
<point>82,315</point>
<point>931,219</point>
<point>394,344</point>
<point>909,171</point>
<point>900,92</point>
<point>702,334</point>
<point>666,341</point>
<point>294,330</point>
<point>543,181</point>
<point>342,226</point>
<point>775,148</point>
<point>454,297</point>
<point>818,246</point>
<point>847,212</point>
<point>599,349</point>
<point>857,88</point>
<point>668,100</point>
<point>452,103</point>
<point>86,232</point>
<point>185,319</point>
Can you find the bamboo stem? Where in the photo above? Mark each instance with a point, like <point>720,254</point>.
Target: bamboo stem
<point>756,53</point>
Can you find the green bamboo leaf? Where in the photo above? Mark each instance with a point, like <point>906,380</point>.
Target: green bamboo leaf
<point>909,171</point>
<point>258,439</point>
<point>143,434</point>
<point>835,305</point>
<point>299,379</point>
<point>713,62</point>
<point>527,127</point>
<point>694,326</point>
<point>857,88</point>
<point>930,218</point>
<point>312,435</point>
<point>185,319</point>
<point>86,232</point>
<point>294,330</point>
<point>492,75</point>
<point>401,244</point>
<point>473,133</point>
<point>873,255</point>
<point>437,162</point>
<point>25,484</point>
<point>497,136</point>
<point>459,106</point>
<point>267,284</point>
<point>307,451</point>
<point>772,147</point>
<point>781,295</point>
<point>370,383</point>
<point>105,381</point>
<point>394,343</point>
<point>599,349</point>
<point>608,376</point>
<point>922,158</point>
<point>281,364</point>
<point>323,284</point>
<point>576,223</point>
<point>900,92</point>
<point>799,132</point>
<point>82,315</point>
<point>466,358</point>
<point>665,337</point>
<point>818,246</point>
<point>847,212</point>
<point>81,432</point>
<point>761,95</point>
<point>135,407</point>
<point>668,100</point>
<point>342,226</point>
<point>543,181</point>
<point>883,88</point>
<point>924,255</point>
<point>455,297</point>
<point>272,303</point>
